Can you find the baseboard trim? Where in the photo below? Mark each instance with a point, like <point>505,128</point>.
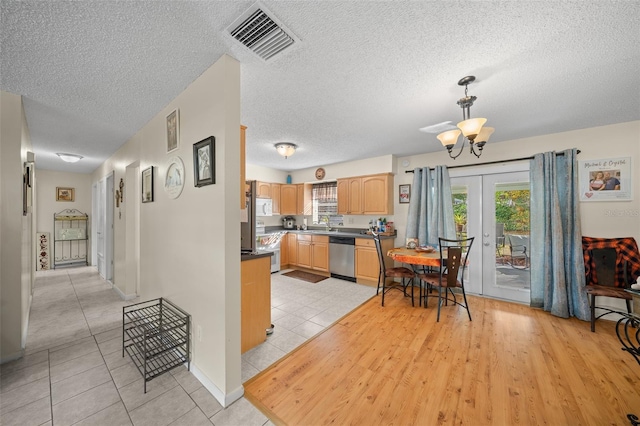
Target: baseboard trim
<point>121,294</point>
<point>224,399</point>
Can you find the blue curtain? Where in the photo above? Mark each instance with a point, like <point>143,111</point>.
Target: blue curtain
<point>557,263</point>
<point>431,206</point>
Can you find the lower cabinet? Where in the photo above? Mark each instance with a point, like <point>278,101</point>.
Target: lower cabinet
<point>367,264</point>
<point>255,301</point>
<point>320,253</point>
<point>292,245</point>
<point>312,252</point>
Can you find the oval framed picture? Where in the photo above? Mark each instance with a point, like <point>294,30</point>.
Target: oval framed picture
<point>174,177</point>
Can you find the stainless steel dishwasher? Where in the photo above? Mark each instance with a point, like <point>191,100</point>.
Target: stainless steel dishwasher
<point>342,258</point>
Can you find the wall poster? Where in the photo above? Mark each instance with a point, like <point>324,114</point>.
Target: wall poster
<point>606,179</point>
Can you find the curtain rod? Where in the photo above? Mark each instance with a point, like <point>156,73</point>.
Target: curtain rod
<point>491,162</point>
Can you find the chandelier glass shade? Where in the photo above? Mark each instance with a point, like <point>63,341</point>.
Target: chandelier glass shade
<point>472,129</point>
<point>286,149</point>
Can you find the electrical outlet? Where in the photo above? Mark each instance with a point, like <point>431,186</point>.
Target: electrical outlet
<point>350,221</point>
<point>199,333</point>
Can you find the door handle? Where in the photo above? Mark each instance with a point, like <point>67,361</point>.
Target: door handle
<point>487,244</point>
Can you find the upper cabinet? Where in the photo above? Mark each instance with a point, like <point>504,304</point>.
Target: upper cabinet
<point>304,199</point>
<point>350,196</point>
<point>377,194</point>
<point>288,199</point>
<point>275,197</point>
<point>263,189</point>
<point>366,195</point>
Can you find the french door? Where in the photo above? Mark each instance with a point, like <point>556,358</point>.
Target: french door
<point>494,208</point>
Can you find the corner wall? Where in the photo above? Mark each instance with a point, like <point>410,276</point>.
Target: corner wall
<point>189,246</point>
<point>16,250</point>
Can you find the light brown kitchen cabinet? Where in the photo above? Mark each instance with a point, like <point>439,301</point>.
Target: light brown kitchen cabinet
<point>320,253</point>
<point>304,251</point>
<point>292,243</point>
<point>288,199</point>
<point>304,199</point>
<point>255,297</point>
<point>350,196</point>
<point>377,194</point>
<point>263,189</point>
<point>367,265</point>
<point>312,252</point>
<point>243,167</point>
<point>284,251</point>
<point>275,197</point>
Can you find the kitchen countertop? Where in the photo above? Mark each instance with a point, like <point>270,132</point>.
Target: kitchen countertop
<point>256,255</point>
<point>354,233</point>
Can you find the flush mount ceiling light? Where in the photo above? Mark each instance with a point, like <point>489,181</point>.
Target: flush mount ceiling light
<point>69,158</point>
<point>286,149</point>
<point>471,128</point>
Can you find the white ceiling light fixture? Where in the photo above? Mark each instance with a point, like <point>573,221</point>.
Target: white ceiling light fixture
<point>286,149</point>
<point>471,128</point>
<point>69,158</point>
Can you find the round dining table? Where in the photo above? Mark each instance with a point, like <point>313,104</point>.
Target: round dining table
<point>415,257</point>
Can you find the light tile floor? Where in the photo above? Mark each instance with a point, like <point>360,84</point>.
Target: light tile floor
<point>73,372</point>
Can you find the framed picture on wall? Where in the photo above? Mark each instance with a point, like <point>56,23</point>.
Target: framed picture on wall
<point>65,194</point>
<point>173,130</point>
<point>147,185</point>
<point>605,179</point>
<point>204,162</point>
<point>405,194</point>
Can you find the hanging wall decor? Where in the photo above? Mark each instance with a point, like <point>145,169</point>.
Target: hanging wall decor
<point>174,177</point>
<point>204,162</point>
<point>147,185</point>
<point>607,179</point>
<point>173,130</point>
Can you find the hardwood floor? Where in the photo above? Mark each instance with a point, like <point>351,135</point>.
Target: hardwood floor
<point>396,365</point>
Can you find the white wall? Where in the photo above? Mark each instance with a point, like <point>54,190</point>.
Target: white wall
<point>48,181</point>
<point>189,246</point>
<point>619,140</point>
<point>16,250</point>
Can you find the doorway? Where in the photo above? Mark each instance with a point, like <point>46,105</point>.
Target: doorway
<point>494,207</point>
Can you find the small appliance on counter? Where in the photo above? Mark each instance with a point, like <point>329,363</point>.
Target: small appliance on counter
<point>288,222</point>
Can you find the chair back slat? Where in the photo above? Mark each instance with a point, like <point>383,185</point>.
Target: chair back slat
<point>604,260</point>
<point>454,256</point>
<point>376,240</point>
<point>455,260</point>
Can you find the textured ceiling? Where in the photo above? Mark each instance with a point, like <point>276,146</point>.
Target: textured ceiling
<point>361,82</point>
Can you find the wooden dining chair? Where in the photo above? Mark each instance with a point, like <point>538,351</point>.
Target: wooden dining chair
<point>453,262</point>
<point>406,275</point>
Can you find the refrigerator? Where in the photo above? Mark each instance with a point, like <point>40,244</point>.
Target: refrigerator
<point>248,221</point>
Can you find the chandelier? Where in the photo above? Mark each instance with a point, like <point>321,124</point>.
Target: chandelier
<point>471,128</point>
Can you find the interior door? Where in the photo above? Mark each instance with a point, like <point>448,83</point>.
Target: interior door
<point>505,236</point>
<point>493,207</point>
<point>100,225</point>
<point>104,233</point>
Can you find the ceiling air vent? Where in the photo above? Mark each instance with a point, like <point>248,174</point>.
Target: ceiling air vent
<point>261,33</point>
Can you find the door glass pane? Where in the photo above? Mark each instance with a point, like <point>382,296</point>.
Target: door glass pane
<point>512,251</point>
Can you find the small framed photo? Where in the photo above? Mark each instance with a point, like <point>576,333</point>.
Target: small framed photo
<point>65,194</point>
<point>405,194</point>
<point>147,185</point>
<point>173,130</point>
<point>204,161</point>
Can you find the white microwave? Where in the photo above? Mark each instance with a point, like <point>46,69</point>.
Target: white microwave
<point>264,207</point>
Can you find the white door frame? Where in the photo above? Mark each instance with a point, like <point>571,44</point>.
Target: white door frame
<point>471,177</point>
